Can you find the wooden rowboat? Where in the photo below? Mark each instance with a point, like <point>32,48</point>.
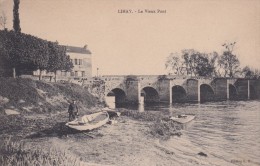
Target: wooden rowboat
<point>112,112</point>
<point>89,122</point>
<point>183,118</point>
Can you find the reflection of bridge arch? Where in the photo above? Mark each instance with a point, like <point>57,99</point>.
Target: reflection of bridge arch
<point>232,92</point>
<point>120,95</point>
<point>178,94</point>
<point>150,94</point>
<point>206,93</point>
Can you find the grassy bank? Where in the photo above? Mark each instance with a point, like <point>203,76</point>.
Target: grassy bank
<point>16,153</point>
<point>26,95</point>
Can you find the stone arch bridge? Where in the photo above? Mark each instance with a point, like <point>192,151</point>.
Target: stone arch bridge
<point>168,89</point>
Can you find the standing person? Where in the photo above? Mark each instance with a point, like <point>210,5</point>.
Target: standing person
<point>73,110</point>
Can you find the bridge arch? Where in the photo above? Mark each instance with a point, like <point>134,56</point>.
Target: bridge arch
<point>119,94</point>
<point>206,93</point>
<point>232,92</point>
<point>178,94</point>
<point>150,94</point>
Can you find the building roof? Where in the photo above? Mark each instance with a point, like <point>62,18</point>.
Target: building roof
<point>80,50</point>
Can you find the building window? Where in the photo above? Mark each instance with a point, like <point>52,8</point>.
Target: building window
<point>72,73</point>
<point>76,61</point>
<point>80,61</point>
<point>76,73</point>
<point>83,73</point>
<point>64,73</point>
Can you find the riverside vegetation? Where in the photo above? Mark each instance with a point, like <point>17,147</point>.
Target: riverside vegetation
<point>42,116</point>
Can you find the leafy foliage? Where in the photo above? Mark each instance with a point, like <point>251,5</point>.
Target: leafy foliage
<point>58,60</point>
<point>192,63</point>
<point>160,127</point>
<point>173,63</point>
<point>247,72</point>
<point>228,61</point>
<point>28,53</point>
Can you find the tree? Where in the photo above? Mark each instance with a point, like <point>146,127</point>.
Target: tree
<point>190,57</point>
<point>203,67</point>
<point>40,57</point>
<point>192,63</point>
<point>248,72</point>
<point>173,63</point>
<point>228,61</point>
<point>23,52</point>
<point>68,65</point>
<point>213,61</point>
<point>58,60</point>
<point>16,19</point>
<point>3,20</point>
<point>9,50</point>
<point>27,53</point>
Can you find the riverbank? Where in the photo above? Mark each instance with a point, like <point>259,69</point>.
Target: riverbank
<point>33,116</point>
<point>127,142</point>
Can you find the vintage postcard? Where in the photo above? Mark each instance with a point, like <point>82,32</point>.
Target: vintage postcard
<point>132,82</point>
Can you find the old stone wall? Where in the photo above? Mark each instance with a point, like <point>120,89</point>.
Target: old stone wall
<point>242,88</point>
<point>219,86</point>
<point>163,90</point>
<point>192,90</point>
<point>132,91</point>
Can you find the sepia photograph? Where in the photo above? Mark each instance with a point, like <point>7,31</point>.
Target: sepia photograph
<point>129,82</point>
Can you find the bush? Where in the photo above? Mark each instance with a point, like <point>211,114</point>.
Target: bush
<point>14,153</point>
<point>143,116</point>
<point>165,129</point>
<point>161,126</point>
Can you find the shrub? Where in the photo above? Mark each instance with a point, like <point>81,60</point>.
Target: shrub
<point>161,126</point>
<point>165,129</point>
<point>14,153</point>
<point>143,116</point>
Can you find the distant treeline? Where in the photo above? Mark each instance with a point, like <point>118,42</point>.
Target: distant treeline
<point>194,63</point>
<point>21,53</point>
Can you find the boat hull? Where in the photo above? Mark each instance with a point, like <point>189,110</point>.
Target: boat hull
<point>89,122</point>
<point>184,119</point>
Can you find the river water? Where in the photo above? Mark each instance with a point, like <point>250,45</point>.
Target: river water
<point>228,132</point>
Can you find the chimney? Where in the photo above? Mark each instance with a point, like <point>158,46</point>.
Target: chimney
<point>85,46</point>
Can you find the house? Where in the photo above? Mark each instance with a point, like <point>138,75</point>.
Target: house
<point>82,61</point>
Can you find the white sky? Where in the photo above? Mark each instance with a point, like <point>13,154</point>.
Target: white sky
<point>139,43</point>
